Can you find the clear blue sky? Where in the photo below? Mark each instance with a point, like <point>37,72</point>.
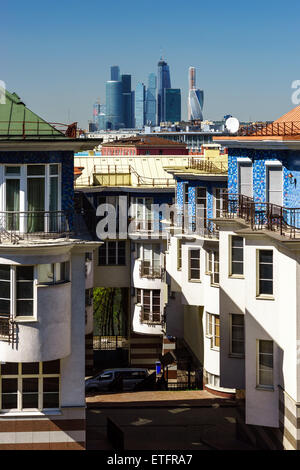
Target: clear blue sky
<point>56,54</point>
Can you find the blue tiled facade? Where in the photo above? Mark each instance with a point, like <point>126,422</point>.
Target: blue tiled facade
<point>290,161</point>
<point>65,158</point>
<point>192,185</point>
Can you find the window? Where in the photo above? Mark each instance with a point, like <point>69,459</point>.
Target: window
<point>237,256</point>
<point>150,303</point>
<point>54,273</point>
<point>213,329</point>
<point>29,386</point>
<point>201,204</point>
<point>151,262</point>
<point>194,265</point>
<point>16,291</point>
<point>237,343</point>
<point>213,380</point>
<point>179,254</point>
<point>218,199</point>
<point>265,364</point>
<point>265,272</point>
<point>112,253</point>
<point>212,266</point>
<point>143,213</point>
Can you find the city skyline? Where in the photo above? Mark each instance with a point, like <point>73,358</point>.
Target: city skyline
<point>230,50</point>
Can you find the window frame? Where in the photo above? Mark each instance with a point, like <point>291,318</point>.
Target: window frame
<point>212,272</point>
<point>230,258</point>
<point>268,387</point>
<point>106,245</point>
<point>259,294</point>
<point>231,353</point>
<point>211,332</point>
<point>40,376</point>
<point>190,278</point>
<point>140,303</point>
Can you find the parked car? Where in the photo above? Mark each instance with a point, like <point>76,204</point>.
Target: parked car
<point>115,379</point>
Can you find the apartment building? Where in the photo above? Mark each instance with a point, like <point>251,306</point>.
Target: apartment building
<point>259,274</point>
<point>42,284</point>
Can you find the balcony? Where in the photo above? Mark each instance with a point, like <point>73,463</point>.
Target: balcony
<point>150,271</point>
<point>202,227</point>
<point>17,226</point>
<point>262,215</point>
<point>207,166</point>
<point>7,329</point>
<point>276,129</point>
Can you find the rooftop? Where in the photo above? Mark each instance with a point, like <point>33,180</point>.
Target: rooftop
<point>144,141</point>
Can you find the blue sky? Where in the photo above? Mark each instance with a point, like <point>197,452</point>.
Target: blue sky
<point>56,54</point>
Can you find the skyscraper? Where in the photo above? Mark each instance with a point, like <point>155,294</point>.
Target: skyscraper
<point>96,112</point>
<point>150,105</point>
<point>195,98</point>
<point>114,105</point>
<point>127,101</point>
<point>172,103</point>
<point>140,106</point>
<point>115,73</point>
<point>164,81</point>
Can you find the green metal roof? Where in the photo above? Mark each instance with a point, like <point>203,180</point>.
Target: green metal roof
<point>17,122</point>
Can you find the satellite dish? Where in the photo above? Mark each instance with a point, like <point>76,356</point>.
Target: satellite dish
<point>232,125</point>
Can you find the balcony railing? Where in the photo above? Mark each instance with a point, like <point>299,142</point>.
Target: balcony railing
<point>15,226</point>
<point>207,166</point>
<point>7,329</point>
<point>192,225</point>
<point>150,271</point>
<point>262,215</point>
<point>271,129</point>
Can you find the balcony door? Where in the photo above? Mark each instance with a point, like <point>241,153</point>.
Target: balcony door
<point>274,185</point>
<point>151,259</point>
<point>144,216</point>
<point>12,198</point>
<point>245,179</point>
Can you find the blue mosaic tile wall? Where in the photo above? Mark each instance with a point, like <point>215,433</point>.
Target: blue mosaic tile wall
<point>65,158</point>
<point>192,185</point>
<point>290,162</point>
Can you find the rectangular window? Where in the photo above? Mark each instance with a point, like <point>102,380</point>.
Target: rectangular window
<point>194,265</point>
<point>237,344</point>
<point>212,266</point>
<point>237,256</point>
<point>213,329</point>
<point>150,263</point>
<point>54,273</point>
<point>218,199</point>
<point>201,204</point>
<point>265,272</point>
<point>150,303</point>
<point>179,254</point>
<point>30,386</point>
<point>24,297</point>
<point>112,253</point>
<point>265,364</point>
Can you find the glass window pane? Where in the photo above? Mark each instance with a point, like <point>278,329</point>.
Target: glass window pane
<point>25,290</point>
<point>237,268</point>
<point>24,308</point>
<point>4,289</point>
<point>5,272</point>
<point>51,367</point>
<point>30,400</point>
<point>4,307</point>
<point>266,287</point>
<point>265,256</point>
<point>237,242</point>
<point>9,385</point>
<point>30,385</point>
<point>51,400</point>
<point>30,368</point>
<point>54,169</point>
<point>51,384</point>
<point>34,170</point>
<point>45,273</point>
<point>24,273</point>
<point>10,368</point>
<point>12,170</point>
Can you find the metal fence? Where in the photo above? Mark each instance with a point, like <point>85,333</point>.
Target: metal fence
<point>110,343</point>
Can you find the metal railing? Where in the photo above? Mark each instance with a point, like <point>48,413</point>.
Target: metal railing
<point>192,225</point>
<point>39,128</point>
<point>150,271</point>
<point>130,170</point>
<point>207,166</point>
<point>15,225</point>
<point>109,343</point>
<point>262,215</point>
<point>149,317</point>
<point>7,329</point>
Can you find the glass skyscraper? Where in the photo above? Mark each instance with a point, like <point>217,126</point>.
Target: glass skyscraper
<point>114,105</point>
<point>150,105</point>
<point>140,106</point>
<point>172,104</point>
<point>115,73</point>
<point>127,101</point>
<point>163,82</point>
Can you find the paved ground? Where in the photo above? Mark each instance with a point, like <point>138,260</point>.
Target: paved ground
<point>164,421</point>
